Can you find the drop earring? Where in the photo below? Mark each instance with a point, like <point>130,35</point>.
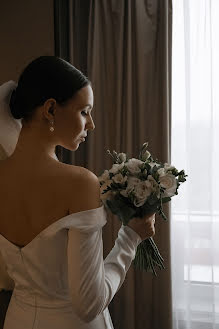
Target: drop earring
<point>51,128</point>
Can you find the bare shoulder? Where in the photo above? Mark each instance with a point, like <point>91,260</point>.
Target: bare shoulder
<point>83,189</point>
<point>80,173</point>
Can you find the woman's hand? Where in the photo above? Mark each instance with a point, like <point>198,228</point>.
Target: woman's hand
<point>144,226</point>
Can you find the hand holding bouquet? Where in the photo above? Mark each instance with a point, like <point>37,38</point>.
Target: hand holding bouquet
<point>136,188</point>
<point>144,227</point>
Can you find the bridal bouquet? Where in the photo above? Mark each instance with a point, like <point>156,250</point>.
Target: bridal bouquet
<point>138,187</point>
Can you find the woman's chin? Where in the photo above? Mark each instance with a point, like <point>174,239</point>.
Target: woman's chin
<point>74,146</point>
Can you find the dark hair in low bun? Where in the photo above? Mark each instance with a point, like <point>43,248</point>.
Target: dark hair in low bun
<point>15,110</point>
<point>45,77</point>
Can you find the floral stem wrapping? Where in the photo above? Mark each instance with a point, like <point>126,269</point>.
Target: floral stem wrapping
<point>136,188</point>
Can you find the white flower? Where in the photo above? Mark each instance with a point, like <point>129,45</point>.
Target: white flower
<point>153,182</point>
<point>161,172</point>
<point>119,178</point>
<point>116,167</point>
<point>105,176</point>
<point>154,185</point>
<point>168,167</point>
<point>132,182</point>
<point>169,183</point>
<point>142,192</point>
<point>152,164</point>
<point>133,165</point>
<point>122,157</point>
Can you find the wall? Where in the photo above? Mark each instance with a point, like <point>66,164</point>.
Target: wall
<point>26,32</point>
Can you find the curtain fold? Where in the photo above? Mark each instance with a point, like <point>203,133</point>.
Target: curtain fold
<point>125,49</point>
<point>61,49</point>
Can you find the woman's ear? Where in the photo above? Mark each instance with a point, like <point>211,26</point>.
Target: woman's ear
<point>49,107</point>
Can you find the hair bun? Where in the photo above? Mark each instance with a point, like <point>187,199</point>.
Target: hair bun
<point>12,100</point>
<point>13,107</point>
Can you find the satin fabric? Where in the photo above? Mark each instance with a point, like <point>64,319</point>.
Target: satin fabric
<point>61,279</point>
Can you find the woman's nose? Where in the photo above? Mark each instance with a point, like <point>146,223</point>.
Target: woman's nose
<point>90,124</point>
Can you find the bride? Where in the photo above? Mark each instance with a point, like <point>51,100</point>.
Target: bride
<point>51,216</point>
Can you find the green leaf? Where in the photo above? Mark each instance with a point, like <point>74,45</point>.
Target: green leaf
<point>152,199</point>
<point>146,209</point>
<point>166,199</point>
<point>162,214</point>
<point>121,209</point>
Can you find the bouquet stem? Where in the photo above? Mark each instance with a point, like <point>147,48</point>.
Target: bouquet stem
<point>148,256</point>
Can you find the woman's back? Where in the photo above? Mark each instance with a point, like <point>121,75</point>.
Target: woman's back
<point>33,196</point>
<point>42,297</point>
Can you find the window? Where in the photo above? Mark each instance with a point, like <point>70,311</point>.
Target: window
<point>195,148</point>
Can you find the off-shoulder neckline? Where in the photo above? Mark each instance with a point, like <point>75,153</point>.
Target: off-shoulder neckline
<point>47,228</point>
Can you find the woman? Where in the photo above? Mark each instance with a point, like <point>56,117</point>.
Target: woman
<point>51,216</point>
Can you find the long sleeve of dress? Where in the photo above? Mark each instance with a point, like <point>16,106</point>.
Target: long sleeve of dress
<point>6,282</point>
<point>93,281</point>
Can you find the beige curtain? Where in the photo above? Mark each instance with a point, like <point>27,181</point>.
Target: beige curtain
<point>125,49</point>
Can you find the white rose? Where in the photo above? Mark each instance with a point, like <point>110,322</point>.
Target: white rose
<point>116,167</point>
<point>132,182</point>
<point>119,178</point>
<point>142,192</point>
<point>122,157</point>
<point>154,185</point>
<point>133,165</point>
<point>153,182</point>
<point>169,183</point>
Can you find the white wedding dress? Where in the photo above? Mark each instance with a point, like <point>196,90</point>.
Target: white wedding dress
<point>61,280</point>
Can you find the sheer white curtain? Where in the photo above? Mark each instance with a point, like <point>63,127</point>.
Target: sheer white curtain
<point>195,148</point>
